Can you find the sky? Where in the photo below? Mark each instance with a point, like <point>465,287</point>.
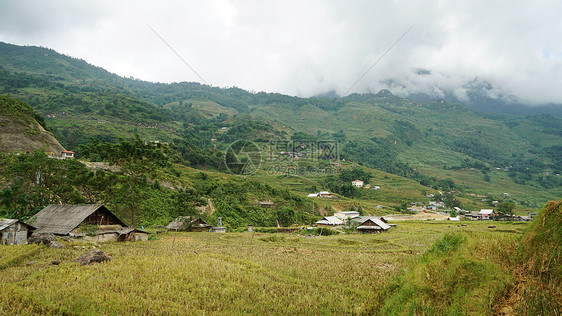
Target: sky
<point>306,48</point>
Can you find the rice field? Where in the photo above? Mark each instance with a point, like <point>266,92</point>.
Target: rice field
<point>207,273</point>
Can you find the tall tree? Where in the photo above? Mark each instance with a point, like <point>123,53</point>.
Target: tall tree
<point>136,158</point>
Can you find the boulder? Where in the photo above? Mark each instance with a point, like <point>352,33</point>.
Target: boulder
<point>41,238</point>
<point>54,244</point>
<point>95,255</point>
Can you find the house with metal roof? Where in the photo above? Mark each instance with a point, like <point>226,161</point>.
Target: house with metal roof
<point>330,221</point>
<point>14,231</point>
<point>93,222</point>
<point>486,214</point>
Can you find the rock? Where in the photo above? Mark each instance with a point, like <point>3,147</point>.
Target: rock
<point>41,238</point>
<point>32,262</point>
<point>92,256</point>
<point>55,262</point>
<point>54,244</point>
<point>463,225</point>
<point>492,226</point>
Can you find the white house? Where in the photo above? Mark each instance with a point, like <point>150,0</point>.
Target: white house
<point>486,214</point>
<point>324,194</point>
<point>357,183</point>
<point>67,154</point>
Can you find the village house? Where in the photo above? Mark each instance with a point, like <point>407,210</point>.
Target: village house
<point>487,214</point>
<point>372,224</point>
<point>357,183</point>
<point>189,224</point>
<point>437,204</point>
<point>89,222</point>
<point>475,216</point>
<point>322,194</point>
<point>14,231</point>
<point>330,221</point>
<point>67,154</point>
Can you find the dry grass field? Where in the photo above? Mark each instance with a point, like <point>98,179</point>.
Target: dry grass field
<point>232,273</point>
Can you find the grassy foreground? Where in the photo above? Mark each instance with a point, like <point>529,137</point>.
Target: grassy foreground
<point>234,273</point>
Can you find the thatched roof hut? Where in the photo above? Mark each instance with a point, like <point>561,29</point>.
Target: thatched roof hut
<point>86,221</point>
<point>371,224</point>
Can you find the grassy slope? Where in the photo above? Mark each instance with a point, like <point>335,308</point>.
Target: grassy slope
<point>441,125</point>
<point>512,269</point>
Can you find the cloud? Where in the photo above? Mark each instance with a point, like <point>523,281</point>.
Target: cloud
<point>309,47</point>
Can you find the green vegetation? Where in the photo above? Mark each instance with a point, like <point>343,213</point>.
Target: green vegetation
<point>428,142</point>
<point>539,288</point>
<point>483,273</point>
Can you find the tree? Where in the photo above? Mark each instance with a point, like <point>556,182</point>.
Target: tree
<point>138,159</point>
<point>506,208</point>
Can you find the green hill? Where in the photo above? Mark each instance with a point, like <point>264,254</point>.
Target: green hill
<point>427,142</point>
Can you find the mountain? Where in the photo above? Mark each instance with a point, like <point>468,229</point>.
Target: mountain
<point>430,141</point>
<point>482,96</point>
<point>20,130</point>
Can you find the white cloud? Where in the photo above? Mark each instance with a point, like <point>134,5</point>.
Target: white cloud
<point>307,47</point>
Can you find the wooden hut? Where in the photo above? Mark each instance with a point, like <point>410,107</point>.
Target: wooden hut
<point>369,225</point>
<point>189,224</point>
<point>14,231</point>
<point>92,222</point>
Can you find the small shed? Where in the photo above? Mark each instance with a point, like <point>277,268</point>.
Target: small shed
<point>267,204</point>
<point>189,224</point>
<point>14,231</point>
<point>92,222</point>
<point>369,225</point>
